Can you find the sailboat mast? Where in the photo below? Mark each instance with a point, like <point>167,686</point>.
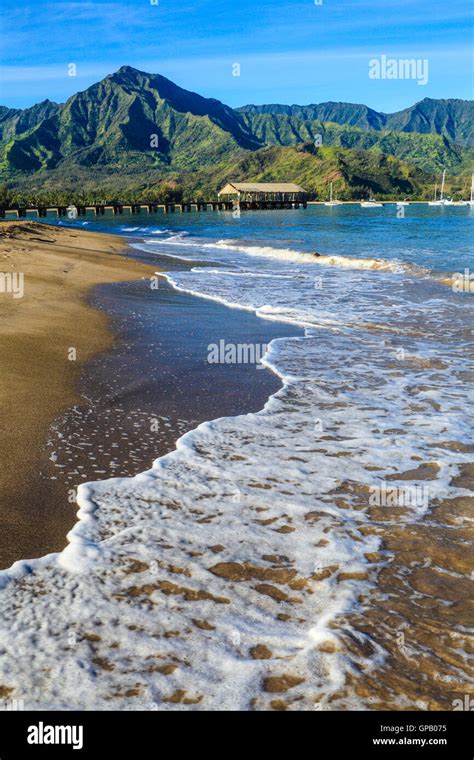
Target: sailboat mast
<point>442,185</point>
<point>330,193</point>
<point>472,186</point>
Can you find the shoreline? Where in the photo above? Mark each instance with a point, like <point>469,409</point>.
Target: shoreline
<point>169,548</point>
<point>48,331</point>
<point>94,423</point>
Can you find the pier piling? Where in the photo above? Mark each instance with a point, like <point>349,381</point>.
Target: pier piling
<point>101,209</point>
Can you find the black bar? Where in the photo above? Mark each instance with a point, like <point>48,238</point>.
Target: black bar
<point>324,734</point>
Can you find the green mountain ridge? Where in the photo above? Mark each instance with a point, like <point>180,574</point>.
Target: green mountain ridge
<point>141,132</point>
<point>452,118</point>
<point>430,152</point>
<point>125,112</point>
<point>356,174</point>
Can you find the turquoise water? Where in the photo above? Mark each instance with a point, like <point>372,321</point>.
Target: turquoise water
<point>437,238</point>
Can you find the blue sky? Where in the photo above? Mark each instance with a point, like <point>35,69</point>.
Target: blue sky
<point>289,51</point>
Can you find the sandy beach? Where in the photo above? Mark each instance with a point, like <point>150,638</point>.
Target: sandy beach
<point>298,551</point>
<point>46,333</point>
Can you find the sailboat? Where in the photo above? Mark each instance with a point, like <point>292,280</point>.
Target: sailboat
<point>332,202</point>
<point>442,201</point>
<point>371,204</point>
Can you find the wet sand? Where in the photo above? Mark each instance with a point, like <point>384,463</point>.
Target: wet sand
<point>141,379</point>
<point>45,337</point>
<point>156,384</point>
<point>417,614</point>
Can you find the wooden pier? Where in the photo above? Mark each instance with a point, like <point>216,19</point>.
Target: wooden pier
<point>117,209</point>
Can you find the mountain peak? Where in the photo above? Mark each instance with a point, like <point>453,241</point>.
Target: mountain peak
<point>128,75</point>
<point>125,69</point>
<point>127,72</point>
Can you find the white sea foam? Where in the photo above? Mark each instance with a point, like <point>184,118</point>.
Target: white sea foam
<point>287,254</point>
<point>237,539</point>
<point>245,273</point>
<point>303,257</point>
<point>147,230</point>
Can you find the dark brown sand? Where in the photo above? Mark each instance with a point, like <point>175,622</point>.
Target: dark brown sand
<point>39,335</point>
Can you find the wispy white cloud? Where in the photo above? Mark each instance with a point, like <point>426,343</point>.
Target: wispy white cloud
<point>295,58</point>
<point>285,46</point>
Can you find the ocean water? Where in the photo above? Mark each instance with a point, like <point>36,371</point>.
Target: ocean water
<point>313,555</point>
